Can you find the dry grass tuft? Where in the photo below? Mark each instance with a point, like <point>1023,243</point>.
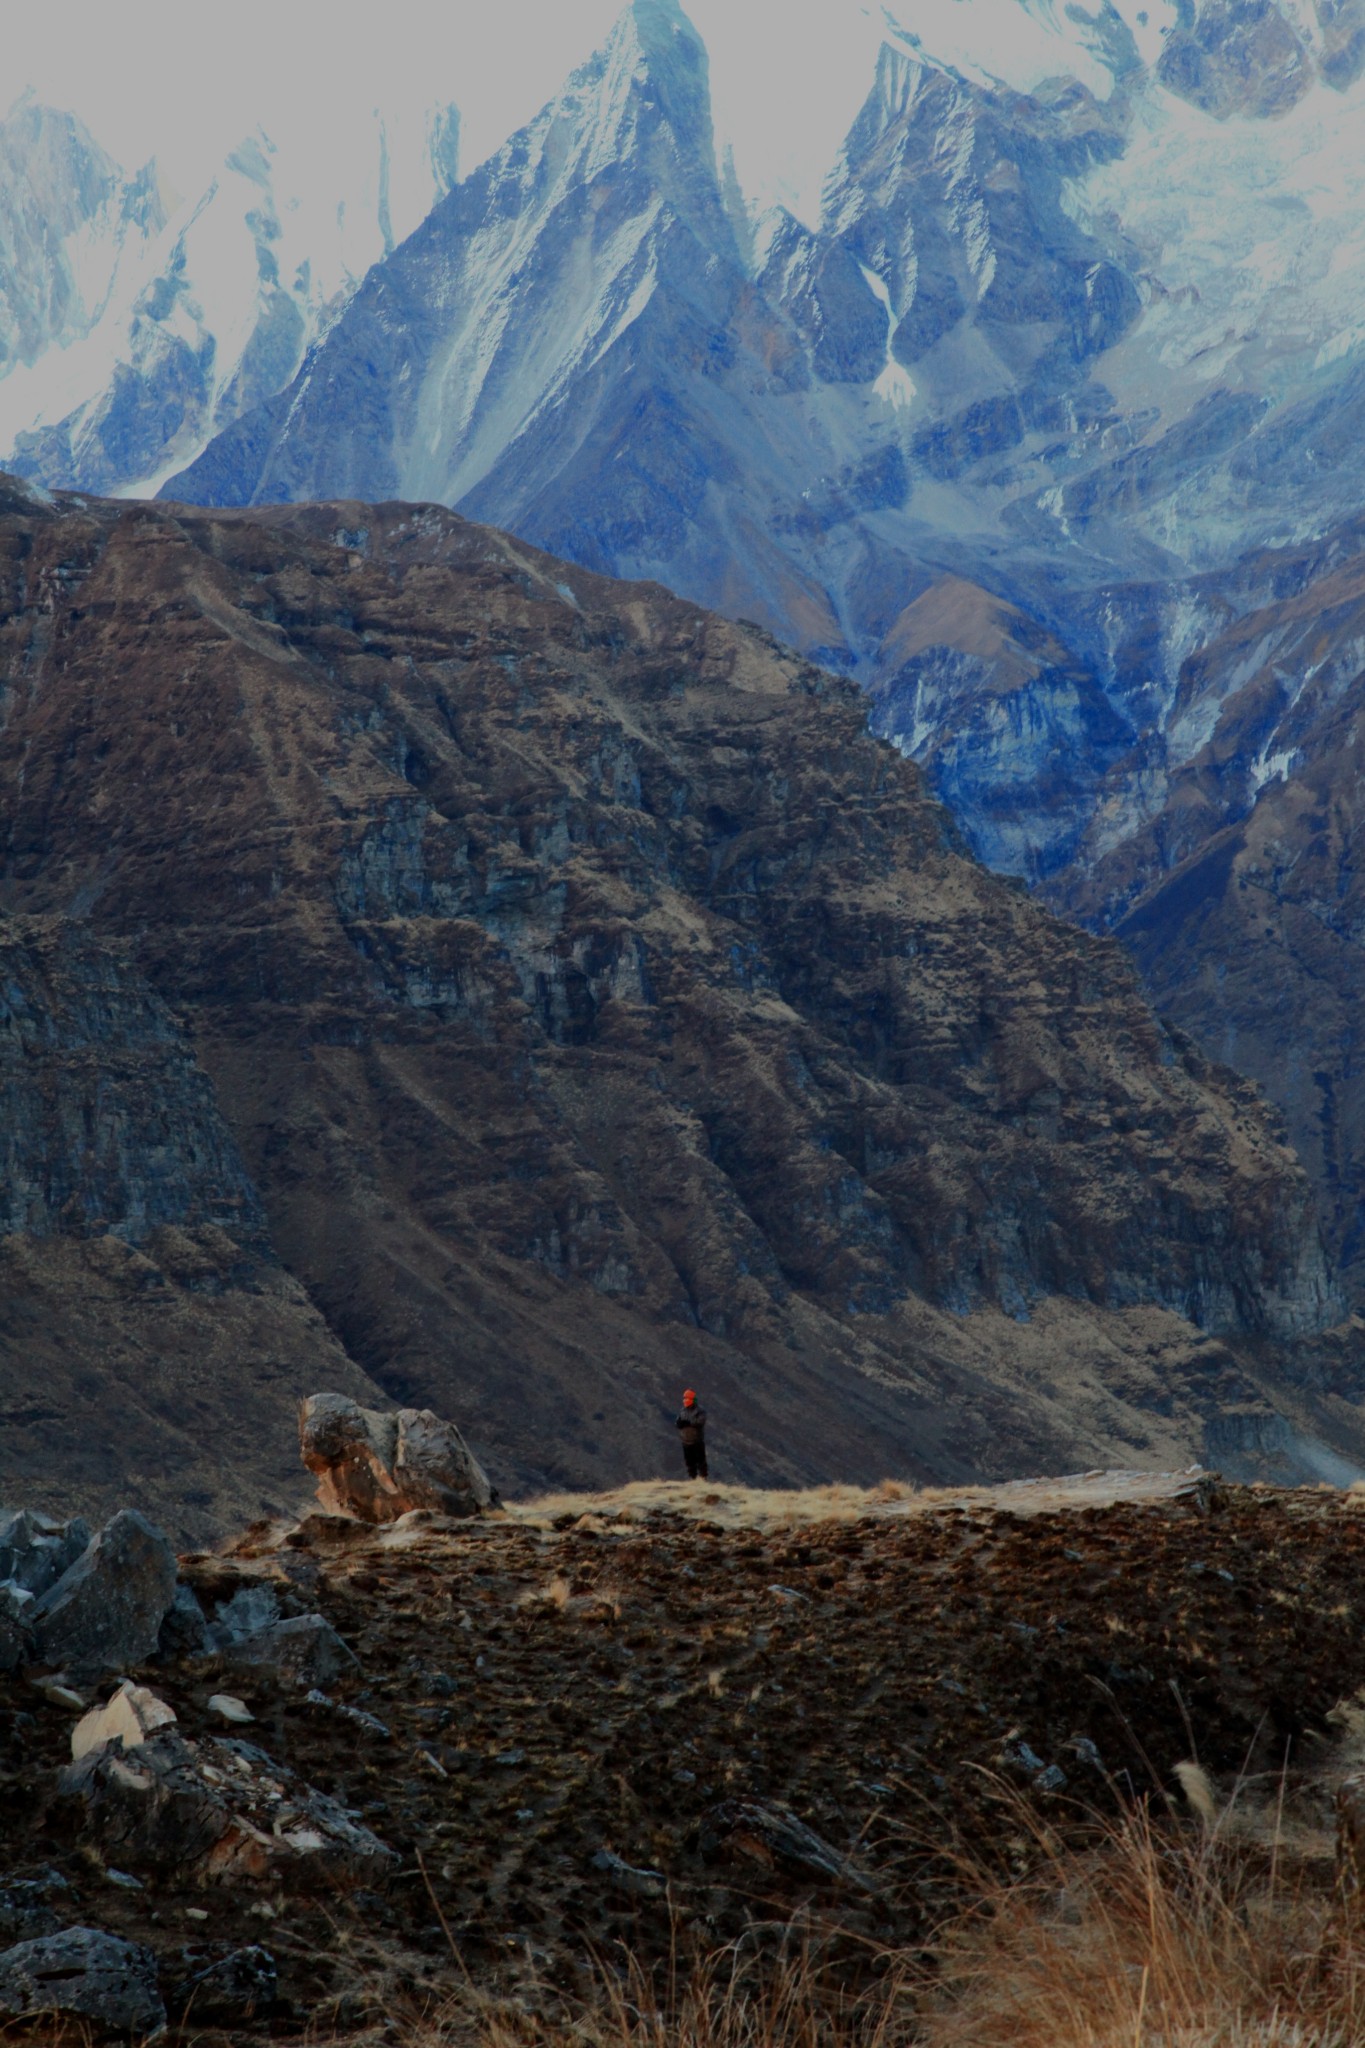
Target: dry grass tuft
<point>720,2001</point>
<point>772,1509</point>
<point>1150,1939</point>
<point>1198,1790</point>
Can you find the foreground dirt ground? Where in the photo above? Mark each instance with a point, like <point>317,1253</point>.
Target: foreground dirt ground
<point>583,1702</point>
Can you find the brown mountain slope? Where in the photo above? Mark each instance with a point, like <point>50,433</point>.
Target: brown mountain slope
<point>596,1008</point>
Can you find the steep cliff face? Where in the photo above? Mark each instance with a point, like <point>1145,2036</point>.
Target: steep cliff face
<point>595,1005</point>
<point>109,1123</point>
<point>1235,876</point>
<point>1012,728</point>
<point>148,1334</point>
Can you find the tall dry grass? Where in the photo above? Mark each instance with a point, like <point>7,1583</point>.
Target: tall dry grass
<point>1156,1934</point>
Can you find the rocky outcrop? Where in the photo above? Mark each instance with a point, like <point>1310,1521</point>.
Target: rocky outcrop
<point>596,1005</point>
<point>35,1552</point>
<point>88,1604</point>
<point>381,1466</point>
<point>107,1609</point>
<point>86,1972</point>
<point>218,1809</point>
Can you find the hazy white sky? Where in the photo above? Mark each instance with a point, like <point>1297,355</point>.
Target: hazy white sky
<point>184,79</point>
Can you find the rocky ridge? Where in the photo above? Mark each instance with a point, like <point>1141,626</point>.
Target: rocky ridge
<point>594,1006</point>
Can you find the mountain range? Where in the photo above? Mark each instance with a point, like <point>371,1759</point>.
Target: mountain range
<point>1041,428</point>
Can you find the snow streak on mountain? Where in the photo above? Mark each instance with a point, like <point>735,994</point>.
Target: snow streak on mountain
<point>1074,326</point>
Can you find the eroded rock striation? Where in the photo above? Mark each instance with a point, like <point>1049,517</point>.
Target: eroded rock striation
<point>595,1007</point>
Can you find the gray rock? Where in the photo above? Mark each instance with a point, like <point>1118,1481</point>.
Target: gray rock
<point>250,1608</point>
<point>35,1550</point>
<point>435,1467</point>
<point>26,1906</point>
<point>237,1987</point>
<point>216,1810</point>
<point>379,1467</point>
<point>106,1611</point>
<point>16,1609</point>
<point>369,1724</point>
<point>771,1835</point>
<point>83,1970</point>
<point>185,1631</point>
<point>626,1877</point>
<point>305,1650</point>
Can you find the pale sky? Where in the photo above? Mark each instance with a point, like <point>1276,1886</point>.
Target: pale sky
<point>184,79</point>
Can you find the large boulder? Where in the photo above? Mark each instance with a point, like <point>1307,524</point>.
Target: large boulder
<point>381,1466</point>
<point>106,1610</point>
<point>86,1971</point>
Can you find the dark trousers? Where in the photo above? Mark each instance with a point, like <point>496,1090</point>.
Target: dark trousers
<point>695,1454</point>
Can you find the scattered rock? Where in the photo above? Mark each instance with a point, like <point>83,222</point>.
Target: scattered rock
<point>772,1835</point>
<point>26,1906</point>
<point>250,1609</point>
<point>58,1692</point>
<point>185,1631</point>
<point>357,1716</point>
<point>303,1651</point>
<point>229,1708</point>
<point>35,1551</point>
<point>83,1970</point>
<point>238,1987</point>
<point>107,1608</point>
<point>1045,1777</point>
<point>643,1884</point>
<point>378,1467</point>
<point>130,1716</point>
<point>217,1809</point>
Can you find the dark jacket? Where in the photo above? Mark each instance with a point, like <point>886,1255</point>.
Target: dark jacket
<point>692,1423</point>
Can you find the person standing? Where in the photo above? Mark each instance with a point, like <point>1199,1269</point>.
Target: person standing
<point>692,1429</point>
